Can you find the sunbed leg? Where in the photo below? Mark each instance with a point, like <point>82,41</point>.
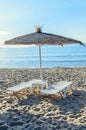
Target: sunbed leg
<point>31,90</point>
<point>61,94</point>
<point>65,93</point>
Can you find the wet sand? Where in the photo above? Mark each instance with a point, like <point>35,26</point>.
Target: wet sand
<point>36,112</point>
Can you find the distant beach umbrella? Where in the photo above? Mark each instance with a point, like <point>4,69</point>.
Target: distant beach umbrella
<point>40,38</point>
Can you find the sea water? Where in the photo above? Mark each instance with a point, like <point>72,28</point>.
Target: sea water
<point>52,56</point>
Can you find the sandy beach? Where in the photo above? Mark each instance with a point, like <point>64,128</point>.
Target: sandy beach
<point>36,112</point>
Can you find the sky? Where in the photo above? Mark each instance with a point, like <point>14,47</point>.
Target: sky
<point>61,17</point>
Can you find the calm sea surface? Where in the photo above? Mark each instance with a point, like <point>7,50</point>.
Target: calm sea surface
<point>52,56</point>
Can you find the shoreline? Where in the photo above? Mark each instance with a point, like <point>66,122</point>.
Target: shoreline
<point>44,67</point>
<point>37,112</point>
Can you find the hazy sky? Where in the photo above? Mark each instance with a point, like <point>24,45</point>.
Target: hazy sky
<point>62,17</point>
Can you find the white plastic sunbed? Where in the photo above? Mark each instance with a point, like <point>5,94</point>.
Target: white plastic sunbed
<point>58,88</point>
<point>25,85</point>
<point>22,86</point>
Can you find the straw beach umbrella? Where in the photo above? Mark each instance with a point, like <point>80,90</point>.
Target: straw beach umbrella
<point>40,38</point>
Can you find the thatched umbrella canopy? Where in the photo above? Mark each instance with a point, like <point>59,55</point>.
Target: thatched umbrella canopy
<point>41,38</point>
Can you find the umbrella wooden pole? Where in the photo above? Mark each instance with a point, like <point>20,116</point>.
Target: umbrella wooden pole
<point>41,75</point>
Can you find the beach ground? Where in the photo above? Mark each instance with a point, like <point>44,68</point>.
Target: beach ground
<point>36,112</point>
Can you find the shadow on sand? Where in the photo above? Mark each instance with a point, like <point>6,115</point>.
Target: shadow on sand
<point>15,119</point>
<point>20,117</point>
